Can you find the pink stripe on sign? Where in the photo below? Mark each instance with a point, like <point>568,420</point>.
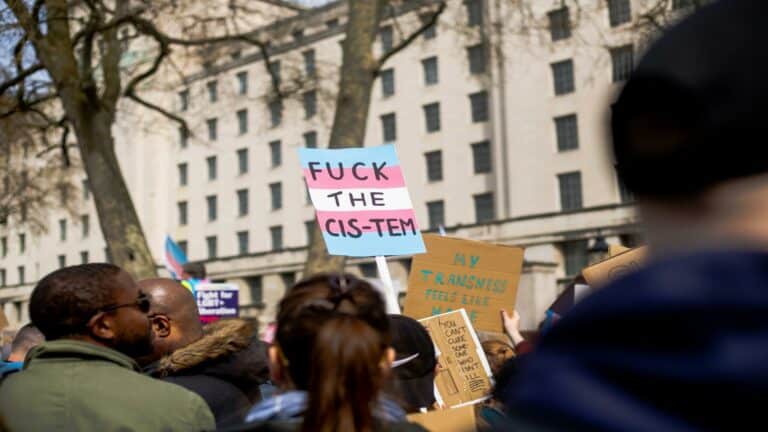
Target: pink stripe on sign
<point>377,221</point>
<point>360,177</point>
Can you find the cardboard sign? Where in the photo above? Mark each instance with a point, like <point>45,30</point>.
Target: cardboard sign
<point>448,420</point>
<point>603,272</point>
<point>216,301</point>
<point>479,277</point>
<point>463,375</point>
<point>363,207</point>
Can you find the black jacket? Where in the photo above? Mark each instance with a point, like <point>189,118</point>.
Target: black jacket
<point>225,367</point>
<point>294,425</point>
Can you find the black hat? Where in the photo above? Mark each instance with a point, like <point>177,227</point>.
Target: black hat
<point>415,362</point>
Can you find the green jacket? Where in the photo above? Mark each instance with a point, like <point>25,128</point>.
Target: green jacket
<point>68,385</point>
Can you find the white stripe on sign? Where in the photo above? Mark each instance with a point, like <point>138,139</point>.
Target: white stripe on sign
<point>360,199</point>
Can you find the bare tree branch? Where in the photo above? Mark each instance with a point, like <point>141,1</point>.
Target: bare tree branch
<point>407,41</point>
<point>20,77</point>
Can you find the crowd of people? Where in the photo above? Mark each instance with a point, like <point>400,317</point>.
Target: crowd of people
<point>679,345</point>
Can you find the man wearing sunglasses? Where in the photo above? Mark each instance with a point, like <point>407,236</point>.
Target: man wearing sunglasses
<point>84,378</point>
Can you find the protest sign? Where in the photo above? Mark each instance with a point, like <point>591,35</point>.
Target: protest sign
<point>216,301</point>
<point>614,267</point>
<point>448,420</point>
<point>362,203</point>
<point>455,273</point>
<point>463,375</point>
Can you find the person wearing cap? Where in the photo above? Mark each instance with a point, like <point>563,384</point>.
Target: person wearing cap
<point>415,363</point>
<point>682,344</point>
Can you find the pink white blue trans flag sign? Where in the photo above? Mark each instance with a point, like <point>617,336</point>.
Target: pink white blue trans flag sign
<point>363,207</point>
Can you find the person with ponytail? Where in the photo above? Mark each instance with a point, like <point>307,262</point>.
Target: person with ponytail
<point>331,357</point>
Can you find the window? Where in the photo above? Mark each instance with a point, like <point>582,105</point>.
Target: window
<point>288,279</point>
<point>22,243</point>
<point>298,35</point>
<point>432,116</point>
<point>255,289</point>
<point>276,234</point>
<point>388,82</point>
<point>474,12</point>
<point>619,12</point>
<point>242,82</point>
<point>562,74</point>
<point>213,91</point>
<point>84,257</point>
<point>479,105</point>
<point>310,69</point>
<point>182,174</point>
<point>310,103</point>
<point>62,261</point>
<point>108,254</point>
<point>275,72</point>
<point>431,31</point>
<point>309,227</point>
<point>63,229</point>
<point>211,164</point>
<point>310,139</point>
<point>559,24</point>
<point>3,279</point>
<point>369,270</point>
<point>622,59</point>
<point>86,190</point>
<point>680,4</point>
<point>332,23</point>
<point>430,70</point>
<point>242,121</point>
<point>484,208</point>
<point>389,127</point>
<point>4,246</point>
<point>212,129</point>
<point>21,275</point>
<point>242,202</point>
<point>212,245</point>
<point>276,195</point>
<point>242,161</point>
<point>436,214</point>
<point>85,225</point>
<point>477,61</point>
<point>211,202</point>
<point>570,191</point>
<point>63,194</point>
<point>184,100</point>
<point>481,157</point>
<point>387,38</point>
<point>276,112</point>
<point>575,256</point>
<point>183,246</point>
<point>242,242</point>
<point>625,195</point>
<point>275,152</point>
<point>183,137</point>
<point>181,206</point>
<point>434,165</point>
<point>567,130</point>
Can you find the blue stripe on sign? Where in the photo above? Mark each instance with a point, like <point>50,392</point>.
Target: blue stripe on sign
<point>370,244</point>
<point>348,157</point>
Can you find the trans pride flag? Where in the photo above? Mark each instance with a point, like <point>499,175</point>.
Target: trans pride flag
<point>363,206</point>
<point>174,258</point>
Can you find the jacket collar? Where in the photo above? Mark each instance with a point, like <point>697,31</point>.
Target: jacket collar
<point>73,349</point>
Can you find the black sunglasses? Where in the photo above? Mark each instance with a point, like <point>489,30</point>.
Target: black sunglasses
<point>142,303</point>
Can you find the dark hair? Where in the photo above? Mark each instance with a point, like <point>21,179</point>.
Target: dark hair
<point>26,338</point>
<point>334,333</point>
<point>64,301</point>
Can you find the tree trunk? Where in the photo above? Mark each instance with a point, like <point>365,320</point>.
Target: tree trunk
<point>358,72</point>
<point>119,222</point>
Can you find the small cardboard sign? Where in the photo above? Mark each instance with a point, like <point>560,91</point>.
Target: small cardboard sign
<point>455,273</point>
<point>616,266</point>
<point>363,206</point>
<point>463,375</point>
<point>216,301</point>
<point>447,420</point>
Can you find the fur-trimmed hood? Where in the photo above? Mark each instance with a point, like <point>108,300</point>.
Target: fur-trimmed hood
<point>228,350</point>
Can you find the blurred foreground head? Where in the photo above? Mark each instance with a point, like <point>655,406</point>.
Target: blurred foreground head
<point>689,126</point>
<point>27,338</point>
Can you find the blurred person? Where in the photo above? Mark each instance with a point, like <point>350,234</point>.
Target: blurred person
<point>27,338</point>
<point>94,319</point>
<point>683,343</point>
<point>224,362</point>
<point>331,356</point>
<point>413,371</point>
